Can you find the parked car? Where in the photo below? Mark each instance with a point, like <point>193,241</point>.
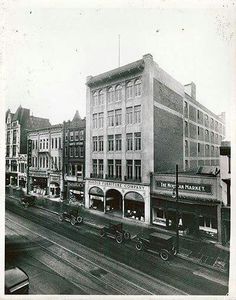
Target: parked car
<point>115,231</point>
<point>28,200</point>
<point>71,214</point>
<point>16,281</point>
<point>163,244</point>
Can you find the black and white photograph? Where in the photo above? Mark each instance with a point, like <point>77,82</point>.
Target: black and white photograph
<point>118,119</point>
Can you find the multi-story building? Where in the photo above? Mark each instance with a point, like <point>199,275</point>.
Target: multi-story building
<point>225,175</point>
<point>141,120</point>
<point>17,125</point>
<point>74,158</point>
<point>45,172</point>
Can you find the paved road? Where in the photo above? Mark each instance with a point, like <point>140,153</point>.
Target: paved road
<point>62,259</point>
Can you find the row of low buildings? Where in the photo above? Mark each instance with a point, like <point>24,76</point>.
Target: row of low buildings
<point>140,123</point>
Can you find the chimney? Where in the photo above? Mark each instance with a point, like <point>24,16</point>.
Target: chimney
<point>190,89</point>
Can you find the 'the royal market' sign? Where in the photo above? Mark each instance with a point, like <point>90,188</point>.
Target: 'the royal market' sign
<point>199,188</point>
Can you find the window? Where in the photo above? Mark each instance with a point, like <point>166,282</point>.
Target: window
<point>95,120</point>
<point>198,130</point>
<point>186,144</point>
<point>8,137</point>
<point>186,126</point>
<point>186,164</point>
<point>81,151</point>
<point>137,88</point>
<point>77,151</point>
<point>95,166</point>
<point>118,168</point>
<point>36,162</point>
<point>206,132</point>
<point>111,118</point>
<point>129,141</point>
<point>110,142</point>
<point>71,151</point>
<point>95,99</point>
<point>118,93</point>
<point>14,137</point>
<point>76,135</point>
<point>137,114</point>
<point>101,97</point>
<point>36,145</point>
<point>100,143</point>
<point>137,169</point>
<point>110,95</point>
<point>71,136</point>
<point>81,135</point>
<point>207,147</point>
<point>118,142</point>
<point>46,161</point>
<point>185,104</point>
<point>56,140</point>
<point>14,150</point>
<point>66,151</point>
<point>198,114</point>
<point>8,151</point>
<point>117,117</point>
<point>129,115</point>
<point>100,120</point>
<point>198,147</point>
<point>66,136</point>
<point>43,143</point>
<point>43,161</point>
<point>47,144</point>
<point>72,170</point>
<point>137,141</point>
<point>110,168</point>
<point>95,143</point>
<point>40,144</point>
<point>206,117</point>
<point>52,143</point>
<point>100,167</point>
<point>55,162</point>
<point>129,169</point>
<point>129,90</point>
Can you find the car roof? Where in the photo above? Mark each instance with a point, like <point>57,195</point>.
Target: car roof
<point>161,235</point>
<point>14,276</point>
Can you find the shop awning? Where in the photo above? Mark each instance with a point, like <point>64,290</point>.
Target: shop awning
<point>133,196</point>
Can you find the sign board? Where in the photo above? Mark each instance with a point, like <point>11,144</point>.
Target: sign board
<point>55,179</point>
<point>38,174</point>
<point>190,187</point>
<point>118,185</point>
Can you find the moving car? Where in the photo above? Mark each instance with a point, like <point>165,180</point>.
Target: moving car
<point>16,281</point>
<point>161,243</point>
<point>115,231</point>
<point>71,214</point>
<point>28,200</point>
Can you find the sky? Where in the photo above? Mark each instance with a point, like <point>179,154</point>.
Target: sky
<point>50,49</point>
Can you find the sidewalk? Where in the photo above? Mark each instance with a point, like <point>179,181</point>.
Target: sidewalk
<point>192,249</point>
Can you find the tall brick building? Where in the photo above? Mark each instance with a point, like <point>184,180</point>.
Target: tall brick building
<point>141,120</point>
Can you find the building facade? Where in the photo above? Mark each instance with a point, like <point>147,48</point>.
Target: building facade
<point>199,203</point>
<point>17,125</point>
<point>74,158</point>
<point>45,172</point>
<point>141,120</point>
<point>225,175</point>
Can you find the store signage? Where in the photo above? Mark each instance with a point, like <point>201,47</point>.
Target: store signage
<point>38,174</point>
<point>191,187</point>
<point>55,178</point>
<point>76,184</point>
<point>118,185</point>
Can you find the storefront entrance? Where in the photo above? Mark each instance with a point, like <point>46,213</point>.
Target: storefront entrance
<point>113,201</point>
<point>134,206</point>
<point>96,198</point>
<point>54,190</point>
<point>39,185</point>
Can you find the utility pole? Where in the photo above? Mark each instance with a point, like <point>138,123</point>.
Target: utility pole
<point>177,206</point>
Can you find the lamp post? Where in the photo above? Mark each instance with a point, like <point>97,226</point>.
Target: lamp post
<point>177,207</point>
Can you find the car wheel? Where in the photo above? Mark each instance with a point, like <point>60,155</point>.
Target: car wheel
<point>119,238</point>
<point>127,235</point>
<point>102,233</point>
<point>79,220</point>
<point>164,255</point>
<point>73,221</point>
<point>174,251</point>
<point>26,205</point>
<point>60,217</point>
<point>139,246</point>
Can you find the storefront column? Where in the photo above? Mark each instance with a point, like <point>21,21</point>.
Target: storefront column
<point>123,206</point>
<point>147,209</point>
<point>104,203</point>
<point>219,224</point>
<point>86,194</point>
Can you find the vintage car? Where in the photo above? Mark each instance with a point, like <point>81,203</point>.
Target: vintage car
<point>28,200</point>
<point>71,214</point>
<point>161,243</point>
<point>16,281</point>
<point>116,232</point>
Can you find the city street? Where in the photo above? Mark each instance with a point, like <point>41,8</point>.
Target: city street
<point>61,259</point>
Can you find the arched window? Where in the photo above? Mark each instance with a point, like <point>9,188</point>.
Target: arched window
<point>129,90</point>
<point>137,87</point>
<point>118,92</point>
<point>95,98</point>
<point>101,97</point>
<point>110,94</point>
